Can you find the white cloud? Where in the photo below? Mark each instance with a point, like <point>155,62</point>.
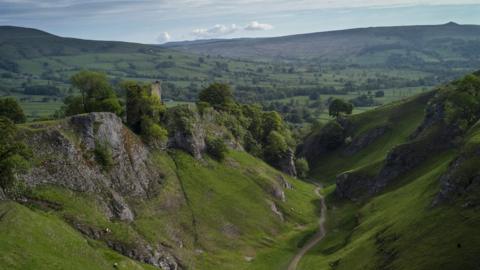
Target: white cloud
<point>256,26</point>
<point>217,30</point>
<point>164,37</point>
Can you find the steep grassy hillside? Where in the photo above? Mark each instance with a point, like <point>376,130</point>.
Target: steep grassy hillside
<point>396,121</point>
<point>201,214</point>
<point>396,206</point>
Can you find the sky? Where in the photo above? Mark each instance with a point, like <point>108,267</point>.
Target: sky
<point>160,21</point>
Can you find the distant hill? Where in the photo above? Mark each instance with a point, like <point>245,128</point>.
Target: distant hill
<point>19,42</point>
<point>429,43</point>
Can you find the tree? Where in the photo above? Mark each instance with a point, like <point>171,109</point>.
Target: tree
<point>218,95</point>
<point>144,111</point>
<point>96,92</point>
<point>14,154</point>
<point>216,148</point>
<point>301,165</point>
<point>339,107</point>
<point>10,109</point>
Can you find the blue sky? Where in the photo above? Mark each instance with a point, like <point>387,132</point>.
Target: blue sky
<point>158,21</point>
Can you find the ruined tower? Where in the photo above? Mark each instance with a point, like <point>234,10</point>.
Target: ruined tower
<point>156,89</point>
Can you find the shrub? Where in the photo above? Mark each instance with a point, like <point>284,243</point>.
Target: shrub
<point>302,167</point>
<point>10,109</point>
<point>216,148</point>
<point>103,155</point>
<point>218,95</point>
<point>14,154</point>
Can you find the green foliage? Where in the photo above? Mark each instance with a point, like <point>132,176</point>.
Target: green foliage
<point>301,165</point>
<point>103,155</point>
<point>180,118</point>
<point>153,132</point>
<point>276,146</point>
<point>218,95</point>
<point>144,112</point>
<point>339,107</point>
<point>216,148</point>
<point>96,92</point>
<point>10,109</point>
<point>461,102</point>
<point>14,154</point>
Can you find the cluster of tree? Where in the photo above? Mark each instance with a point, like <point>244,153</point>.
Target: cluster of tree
<point>96,95</point>
<point>263,133</point>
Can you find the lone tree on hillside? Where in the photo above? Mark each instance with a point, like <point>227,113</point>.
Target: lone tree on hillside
<point>339,107</point>
<point>218,95</point>
<point>10,109</point>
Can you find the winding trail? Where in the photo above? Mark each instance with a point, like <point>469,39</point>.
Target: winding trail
<point>315,238</point>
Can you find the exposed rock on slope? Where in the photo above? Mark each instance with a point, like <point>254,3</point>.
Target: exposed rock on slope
<point>67,152</point>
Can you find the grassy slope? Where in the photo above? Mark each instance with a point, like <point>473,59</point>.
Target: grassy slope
<point>225,217</point>
<point>402,117</point>
<point>397,229</point>
<point>32,239</point>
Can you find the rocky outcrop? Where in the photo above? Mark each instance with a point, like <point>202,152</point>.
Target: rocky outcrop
<point>67,155</point>
<point>399,161</point>
<point>287,163</point>
<point>354,185</point>
<point>140,250</point>
<point>461,180</point>
<point>2,195</point>
<point>325,140</point>
<point>192,142</point>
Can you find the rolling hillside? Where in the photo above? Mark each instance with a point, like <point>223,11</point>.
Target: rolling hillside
<point>31,59</point>
<point>450,42</point>
<point>403,187</point>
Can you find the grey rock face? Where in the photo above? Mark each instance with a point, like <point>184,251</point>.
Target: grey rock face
<point>140,251</point>
<point>460,180</point>
<point>354,186</point>
<point>68,160</point>
<point>66,154</point>
<point>287,163</point>
<point>193,143</point>
<point>2,195</point>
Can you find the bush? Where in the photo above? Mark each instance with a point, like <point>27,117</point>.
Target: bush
<point>302,167</point>
<point>14,154</point>
<point>96,92</point>
<point>103,155</point>
<point>216,148</point>
<point>339,107</point>
<point>218,95</point>
<point>10,109</point>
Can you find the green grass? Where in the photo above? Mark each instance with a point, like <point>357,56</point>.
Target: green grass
<point>34,240</point>
<point>402,118</point>
<point>212,215</point>
<point>401,221</point>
